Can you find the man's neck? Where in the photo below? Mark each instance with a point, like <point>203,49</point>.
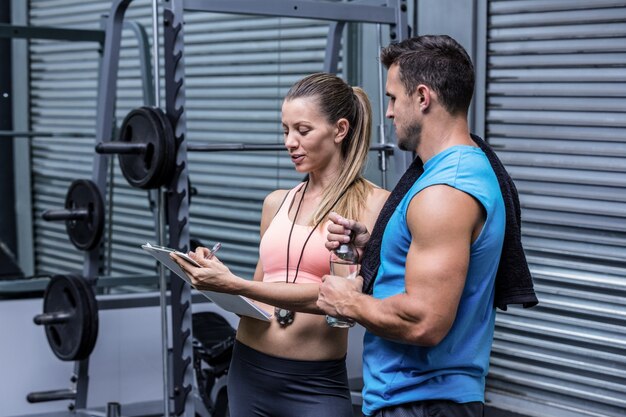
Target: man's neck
<point>442,134</point>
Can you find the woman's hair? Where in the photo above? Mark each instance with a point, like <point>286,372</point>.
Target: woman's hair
<point>337,100</point>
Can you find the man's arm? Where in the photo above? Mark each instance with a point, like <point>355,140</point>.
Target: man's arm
<point>443,223</point>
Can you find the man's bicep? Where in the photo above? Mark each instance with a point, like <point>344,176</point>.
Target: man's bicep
<point>441,220</point>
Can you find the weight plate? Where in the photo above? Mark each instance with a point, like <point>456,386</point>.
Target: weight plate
<point>88,342</point>
<point>160,147</point>
<point>153,167</point>
<point>74,338</point>
<point>168,167</point>
<point>85,234</point>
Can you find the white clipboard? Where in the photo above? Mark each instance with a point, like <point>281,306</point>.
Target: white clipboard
<point>234,303</point>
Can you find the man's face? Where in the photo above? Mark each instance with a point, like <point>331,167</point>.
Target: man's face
<point>403,110</point>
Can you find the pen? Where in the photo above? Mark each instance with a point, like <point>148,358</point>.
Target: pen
<point>215,248</point>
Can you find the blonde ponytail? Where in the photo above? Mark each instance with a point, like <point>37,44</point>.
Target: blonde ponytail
<point>337,100</point>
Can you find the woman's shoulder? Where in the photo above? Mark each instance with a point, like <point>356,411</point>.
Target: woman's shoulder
<point>274,200</point>
<point>376,199</point>
<point>378,196</point>
<point>271,205</point>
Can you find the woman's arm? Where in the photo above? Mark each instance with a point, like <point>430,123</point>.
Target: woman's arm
<point>215,276</point>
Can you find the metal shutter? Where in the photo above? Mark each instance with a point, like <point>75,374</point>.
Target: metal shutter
<point>237,70</point>
<point>556,114</point>
<point>63,85</point>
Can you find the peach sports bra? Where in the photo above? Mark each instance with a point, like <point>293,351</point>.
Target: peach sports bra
<point>273,248</point>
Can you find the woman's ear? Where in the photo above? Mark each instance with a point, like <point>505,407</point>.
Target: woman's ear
<point>341,130</point>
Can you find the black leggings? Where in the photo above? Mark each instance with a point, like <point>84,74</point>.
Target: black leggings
<point>268,386</point>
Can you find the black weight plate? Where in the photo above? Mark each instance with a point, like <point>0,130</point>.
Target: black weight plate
<point>142,170</point>
<point>95,321</point>
<point>88,342</point>
<point>64,294</point>
<point>168,167</point>
<point>85,234</point>
<point>160,149</point>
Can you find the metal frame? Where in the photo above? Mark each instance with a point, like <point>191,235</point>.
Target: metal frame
<point>177,202</point>
<point>337,12</point>
<point>21,149</point>
<point>392,12</point>
<point>80,378</point>
<point>480,65</point>
<point>257,147</point>
<point>50,33</point>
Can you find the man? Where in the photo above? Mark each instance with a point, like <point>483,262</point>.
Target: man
<point>430,319</point>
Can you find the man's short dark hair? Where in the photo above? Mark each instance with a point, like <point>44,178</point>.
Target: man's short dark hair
<point>437,61</point>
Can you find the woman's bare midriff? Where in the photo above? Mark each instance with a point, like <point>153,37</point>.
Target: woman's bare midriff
<point>307,338</point>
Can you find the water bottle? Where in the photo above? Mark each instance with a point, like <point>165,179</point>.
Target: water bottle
<point>344,262</point>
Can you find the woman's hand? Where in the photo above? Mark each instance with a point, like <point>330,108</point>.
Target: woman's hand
<point>343,230</point>
<point>213,275</point>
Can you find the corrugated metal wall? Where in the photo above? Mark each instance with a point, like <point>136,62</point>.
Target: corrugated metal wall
<point>556,113</point>
<point>237,70</point>
<point>63,83</point>
<point>556,98</point>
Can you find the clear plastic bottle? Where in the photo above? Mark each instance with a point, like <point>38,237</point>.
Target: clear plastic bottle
<point>344,262</point>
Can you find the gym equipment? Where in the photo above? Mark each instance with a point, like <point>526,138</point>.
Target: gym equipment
<point>388,12</point>
<point>70,316</point>
<point>146,148</point>
<point>9,269</point>
<point>256,147</point>
<point>83,214</point>
<point>16,134</point>
<point>213,340</point>
<point>50,33</point>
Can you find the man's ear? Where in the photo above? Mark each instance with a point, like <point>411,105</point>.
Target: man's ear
<point>423,97</point>
<point>341,130</point>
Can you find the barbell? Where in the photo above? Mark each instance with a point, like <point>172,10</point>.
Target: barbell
<point>147,148</point>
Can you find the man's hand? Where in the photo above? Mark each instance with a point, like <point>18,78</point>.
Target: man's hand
<point>342,230</point>
<point>337,294</point>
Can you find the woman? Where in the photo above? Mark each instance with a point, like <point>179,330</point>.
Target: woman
<point>294,365</point>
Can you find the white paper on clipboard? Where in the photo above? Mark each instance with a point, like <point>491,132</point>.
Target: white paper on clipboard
<point>234,303</point>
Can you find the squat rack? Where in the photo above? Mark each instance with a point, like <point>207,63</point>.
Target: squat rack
<point>388,12</point>
<point>78,392</point>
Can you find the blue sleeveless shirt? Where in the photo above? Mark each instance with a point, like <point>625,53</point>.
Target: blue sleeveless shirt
<point>455,369</point>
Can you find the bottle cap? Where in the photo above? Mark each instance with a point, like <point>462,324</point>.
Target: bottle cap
<point>343,248</point>
<point>347,252</point>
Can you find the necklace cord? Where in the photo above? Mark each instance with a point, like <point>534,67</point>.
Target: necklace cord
<point>290,232</point>
<point>308,237</point>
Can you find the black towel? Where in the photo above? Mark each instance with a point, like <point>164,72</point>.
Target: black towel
<point>514,283</point>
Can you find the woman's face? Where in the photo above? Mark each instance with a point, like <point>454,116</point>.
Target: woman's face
<point>312,142</point>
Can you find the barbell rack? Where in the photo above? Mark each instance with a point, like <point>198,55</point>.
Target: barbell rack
<point>387,12</point>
